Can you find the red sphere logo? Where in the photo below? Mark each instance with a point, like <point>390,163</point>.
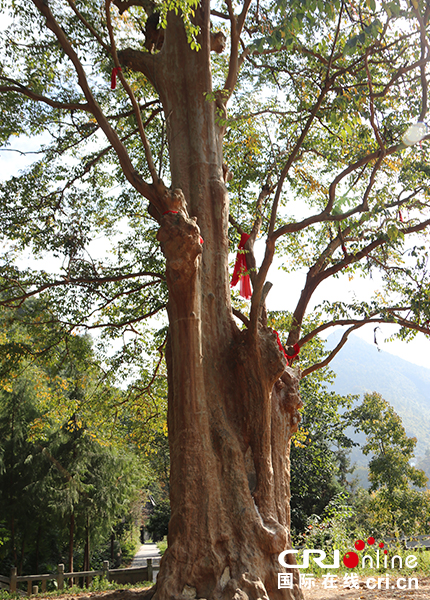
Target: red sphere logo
<point>359,545</point>
<point>351,559</point>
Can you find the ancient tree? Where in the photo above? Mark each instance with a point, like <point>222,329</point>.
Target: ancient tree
<point>299,121</point>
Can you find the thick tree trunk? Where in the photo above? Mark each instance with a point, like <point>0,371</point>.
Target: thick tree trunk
<point>232,399</point>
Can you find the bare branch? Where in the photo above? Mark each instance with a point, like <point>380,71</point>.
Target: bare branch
<point>330,357</point>
<point>76,281</point>
<point>333,47</point>
<point>128,113</point>
<point>315,277</point>
<point>402,71</point>
<point>325,214</point>
<point>235,32</point>
<point>220,15</point>
<point>88,26</point>
<point>240,316</point>
<point>294,153</point>
<point>235,224</point>
<point>424,50</point>
<point>132,97</point>
<point>21,89</point>
<point>128,321</point>
<point>130,173</point>
<point>356,324</point>
<point>372,107</point>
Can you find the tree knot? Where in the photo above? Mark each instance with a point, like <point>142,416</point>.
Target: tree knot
<point>180,239</point>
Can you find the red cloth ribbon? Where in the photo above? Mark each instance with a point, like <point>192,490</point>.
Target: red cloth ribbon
<point>296,349</point>
<point>113,77</point>
<point>281,347</point>
<point>400,216</point>
<point>239,273</point>
<point>288,357</point>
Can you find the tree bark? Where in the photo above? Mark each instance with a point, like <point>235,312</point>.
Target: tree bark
<point>232,404</point>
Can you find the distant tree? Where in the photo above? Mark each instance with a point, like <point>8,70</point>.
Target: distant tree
<point>158,523</point>
<point>157,462</point>
<point>391,450</point>
<point>61,480</point>
<point>22,491</point>
<point>91,486</point>
<point>393,503</point>
<point>405,511</point>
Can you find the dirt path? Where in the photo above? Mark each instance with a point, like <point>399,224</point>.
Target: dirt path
<point>133,594</point>
<point>316,592</point>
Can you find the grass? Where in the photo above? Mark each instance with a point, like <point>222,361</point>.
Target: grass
<point>97,585</point>
<point>162,546</point>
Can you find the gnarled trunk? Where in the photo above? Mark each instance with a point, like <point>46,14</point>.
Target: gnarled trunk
<point>232,399</point>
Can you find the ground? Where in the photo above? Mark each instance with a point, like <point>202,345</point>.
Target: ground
<point>316,593</point>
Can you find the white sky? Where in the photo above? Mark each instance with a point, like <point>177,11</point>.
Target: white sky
<point>287,287</point>
<point>286,290</point>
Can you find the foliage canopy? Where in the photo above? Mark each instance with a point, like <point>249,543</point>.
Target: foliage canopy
<point>316,154</point>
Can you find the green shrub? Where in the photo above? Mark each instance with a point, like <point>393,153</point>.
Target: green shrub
<point>158,523</point>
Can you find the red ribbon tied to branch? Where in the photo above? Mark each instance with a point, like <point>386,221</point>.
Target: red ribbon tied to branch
<point>239,273</point>
<point>281,347</point>
<point>289,357</point>
<point>296,349</point>
<point>113,77</point>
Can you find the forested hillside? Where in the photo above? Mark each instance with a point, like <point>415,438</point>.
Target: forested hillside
<point>360,367</point>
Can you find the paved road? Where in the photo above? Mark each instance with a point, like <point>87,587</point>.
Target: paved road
<point>145,551</point>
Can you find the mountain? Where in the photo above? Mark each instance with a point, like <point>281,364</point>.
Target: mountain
<point>360,367</point>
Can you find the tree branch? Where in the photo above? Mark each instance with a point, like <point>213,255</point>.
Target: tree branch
<point>76,281</point>
<point>88,26</point>
<point>147,190</point>
<point>236,26</point>
<point>330,357</point>
<point>314,279</point>
<point>356,324</point>
<point>21,89</point>
<point>132,97</point>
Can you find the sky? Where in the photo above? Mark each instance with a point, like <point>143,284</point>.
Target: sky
<point>286,291</point>
<point>287,287</point>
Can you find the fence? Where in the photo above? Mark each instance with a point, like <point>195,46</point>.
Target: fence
<point>418,541</point>
<point>130,575</point>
